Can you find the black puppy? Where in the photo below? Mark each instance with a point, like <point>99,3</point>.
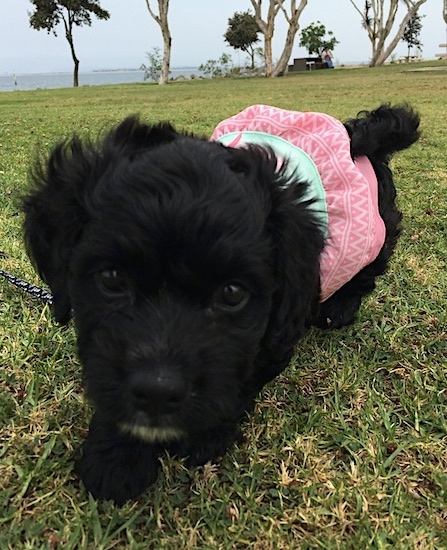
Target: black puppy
<point>191,269</point>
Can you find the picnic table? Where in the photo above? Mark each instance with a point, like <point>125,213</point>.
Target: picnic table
<point>409,58</point>
<point>307,64</point>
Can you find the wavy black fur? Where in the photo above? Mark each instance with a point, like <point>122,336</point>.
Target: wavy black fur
<point>377,134</point>
<point>192,270</point>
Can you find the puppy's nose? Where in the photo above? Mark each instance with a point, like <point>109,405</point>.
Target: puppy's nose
<point>160,394</point>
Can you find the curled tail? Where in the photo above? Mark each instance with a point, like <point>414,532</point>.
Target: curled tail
<point>383,131</point>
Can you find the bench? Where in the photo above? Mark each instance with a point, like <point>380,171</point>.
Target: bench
<point>409,58</point>
<point>307,64</point>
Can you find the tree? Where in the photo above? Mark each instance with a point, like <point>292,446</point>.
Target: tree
<point>153,69</point>
<point>162,20</point>
<point>380,25</point>
<point>49,13</point>
<point>412,33</point>
<point>444,11</point>
<point>217,67</point>
<point>314,39</point>
<point>242,33</point>
<point>268,27</point>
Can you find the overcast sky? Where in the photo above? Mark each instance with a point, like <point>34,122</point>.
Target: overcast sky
<point>197,28</point>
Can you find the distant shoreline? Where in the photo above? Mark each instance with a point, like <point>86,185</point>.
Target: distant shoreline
<point>182,68</point>
<point>132,70</point>
<point>97,77</point>
<point>88,71</point>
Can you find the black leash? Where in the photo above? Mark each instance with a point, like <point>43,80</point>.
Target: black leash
<point>34,290</point>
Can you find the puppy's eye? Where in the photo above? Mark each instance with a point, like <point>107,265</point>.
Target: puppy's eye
<point>232,297</point>
<point>111,282</point>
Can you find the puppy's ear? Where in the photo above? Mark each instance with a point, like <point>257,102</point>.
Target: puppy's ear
<point>60,200</point>
<point>55,214</point>
<point>297,239</point>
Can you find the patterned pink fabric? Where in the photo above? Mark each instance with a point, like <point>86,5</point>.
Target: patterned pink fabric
<point>356,230</point>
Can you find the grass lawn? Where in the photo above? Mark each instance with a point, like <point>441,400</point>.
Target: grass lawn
<point>347,449</point>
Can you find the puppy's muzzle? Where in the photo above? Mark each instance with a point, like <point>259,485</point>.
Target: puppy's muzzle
<point>157,394</point>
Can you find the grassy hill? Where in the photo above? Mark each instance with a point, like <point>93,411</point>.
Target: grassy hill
<point>347,449</point>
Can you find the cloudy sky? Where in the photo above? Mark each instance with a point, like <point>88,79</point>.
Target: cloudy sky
<point>197,28</point>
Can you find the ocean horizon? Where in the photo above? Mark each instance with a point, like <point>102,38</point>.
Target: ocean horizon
<point>10,82</point>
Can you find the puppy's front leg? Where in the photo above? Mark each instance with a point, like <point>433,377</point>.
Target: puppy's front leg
<point>206,446</point>
<point>115,466</point>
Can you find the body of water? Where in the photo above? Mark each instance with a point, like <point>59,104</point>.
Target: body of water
<point>40,81</point>
<point>11,82</point>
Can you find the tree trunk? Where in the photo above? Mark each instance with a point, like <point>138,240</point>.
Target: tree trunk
<point>76,74</point>
<point>268,28</point>
<point>75,61</point>
<point>167,43</point>
<point>68,24</point>
<point>251,53</point>
<point>162,20</point>
<point>268,55</point>
<point>281,66</point>
<point>386,52</point>
<point>379,26</point>
<point>283,62</point>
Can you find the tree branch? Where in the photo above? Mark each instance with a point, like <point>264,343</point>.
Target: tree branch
<point>152,13</point>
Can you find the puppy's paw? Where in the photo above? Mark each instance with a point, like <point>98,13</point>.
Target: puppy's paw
<point>207,446</point>
<point>116,468</point>
<point>335,313</point>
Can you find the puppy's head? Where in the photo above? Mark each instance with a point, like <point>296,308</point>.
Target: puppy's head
<point>191,269</point>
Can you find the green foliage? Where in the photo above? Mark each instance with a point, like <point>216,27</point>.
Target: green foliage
<point>242,33</point>
<point>215,68</point>
<point>152,71</point>
<point>49,13</point>
<point>368,21</point>
<point>412,32</point>
<point>259,52</point>
<point>315,38</point>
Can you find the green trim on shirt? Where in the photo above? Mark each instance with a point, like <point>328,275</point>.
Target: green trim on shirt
<point>299,165</point>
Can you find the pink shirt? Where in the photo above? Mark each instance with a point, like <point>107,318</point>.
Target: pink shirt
<point>356,232</point>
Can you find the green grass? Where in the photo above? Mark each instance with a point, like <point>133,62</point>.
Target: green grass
<point>347,449</point>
